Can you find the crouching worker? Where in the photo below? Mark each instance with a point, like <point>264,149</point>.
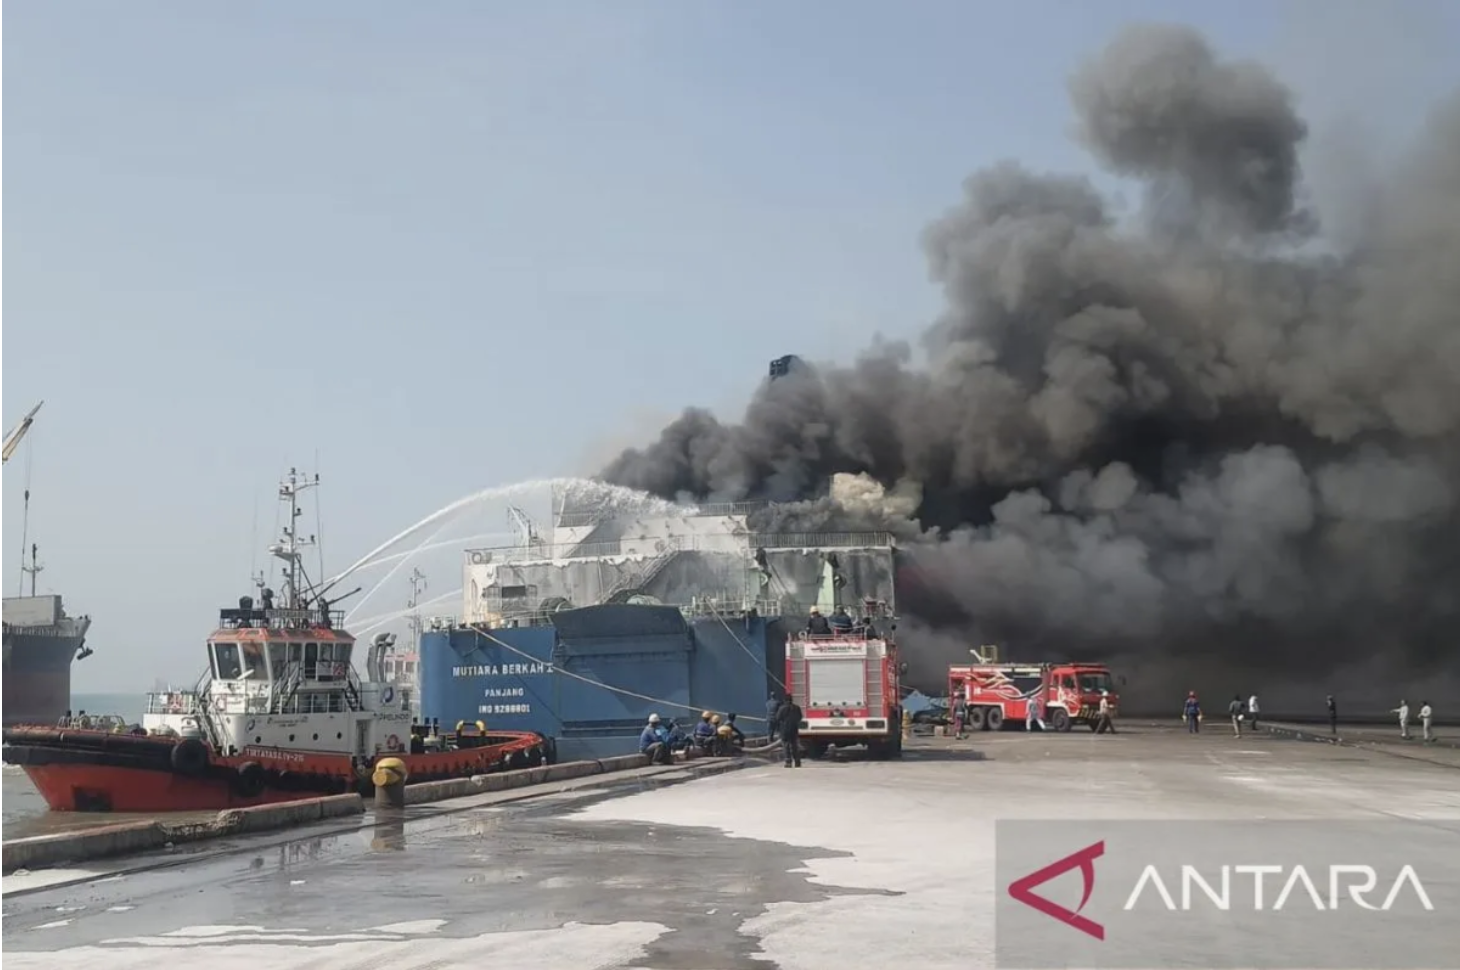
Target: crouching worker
<point>654,742</point>
<point>737,736</point>
<point>705,731</point>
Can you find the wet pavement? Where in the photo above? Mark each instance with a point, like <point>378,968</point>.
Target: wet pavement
<point>849,863</point>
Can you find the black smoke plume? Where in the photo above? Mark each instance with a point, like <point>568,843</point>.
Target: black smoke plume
<point>1202,441</point>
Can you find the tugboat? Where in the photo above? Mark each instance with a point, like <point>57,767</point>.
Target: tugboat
<point>279,715</point>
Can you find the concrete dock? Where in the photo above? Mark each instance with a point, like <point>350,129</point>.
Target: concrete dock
<point>842,863</point>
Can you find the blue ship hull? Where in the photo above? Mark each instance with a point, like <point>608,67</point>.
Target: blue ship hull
<point>591,678</point>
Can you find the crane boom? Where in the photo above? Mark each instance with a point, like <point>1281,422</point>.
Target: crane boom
<point>12,440</point>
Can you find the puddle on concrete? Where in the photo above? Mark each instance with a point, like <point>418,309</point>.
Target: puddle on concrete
<point>520,868</point>
<point>535,871</point>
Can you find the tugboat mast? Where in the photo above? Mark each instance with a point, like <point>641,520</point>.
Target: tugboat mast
<point>290,547</point>
<point>418,583</point>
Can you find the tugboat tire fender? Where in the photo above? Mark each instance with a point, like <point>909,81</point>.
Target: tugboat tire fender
<point>249,781</point>
<point>189,757</point>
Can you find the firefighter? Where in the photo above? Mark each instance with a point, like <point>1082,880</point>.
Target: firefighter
<point>841,621</point>
<point>1403,711</point>
<point>817,625</point>
<point>1191,713</point>
<point>1106,723</point>
<point>1425,717</point>
<point>960,717</point>
<point>790,726</point>
<point>1235,710</point>
<point>772,710</point>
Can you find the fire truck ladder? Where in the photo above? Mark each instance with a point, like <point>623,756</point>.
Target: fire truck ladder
<point>873,687</point>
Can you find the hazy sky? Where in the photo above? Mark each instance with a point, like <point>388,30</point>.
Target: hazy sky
<point>451,245</point>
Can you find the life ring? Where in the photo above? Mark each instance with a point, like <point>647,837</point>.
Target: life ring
<point>189,757</point>
<point>249,782</point>
<point>392,743</point>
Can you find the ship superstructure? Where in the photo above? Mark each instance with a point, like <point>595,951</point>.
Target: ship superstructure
<point>580,633</point>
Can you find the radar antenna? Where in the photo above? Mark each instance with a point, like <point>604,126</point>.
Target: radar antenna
<point>290,547</point>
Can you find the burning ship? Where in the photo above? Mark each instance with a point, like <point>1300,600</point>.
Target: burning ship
<point>41,639</point>
<point>581,634</point>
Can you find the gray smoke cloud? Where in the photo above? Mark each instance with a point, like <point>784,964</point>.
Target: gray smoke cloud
<point>1203,434</point>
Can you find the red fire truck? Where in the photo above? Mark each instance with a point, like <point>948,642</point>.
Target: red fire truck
<point>847,687</point>
<point>1063,693</point>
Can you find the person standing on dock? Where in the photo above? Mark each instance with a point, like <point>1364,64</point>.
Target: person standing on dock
<point>772,715</point>
<point>1105,723</point>
<point>1426,716</point>
<point>1332,715</point>
<point>790,727</point>
<point>1191,713</point>
<point>1252,711</point>
<point>1403,711</point>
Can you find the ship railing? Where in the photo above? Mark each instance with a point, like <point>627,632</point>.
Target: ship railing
<point>204,711</point>
<point>282,690</point>
<point>577,518</point>
<point>173,702</point>
<point>731,606</point>
<point>281,619</point>
<point>352,690</point>
<point>649,548</point>
<point>823,540</point>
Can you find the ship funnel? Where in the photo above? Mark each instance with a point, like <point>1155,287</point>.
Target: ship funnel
<point>380,645</point>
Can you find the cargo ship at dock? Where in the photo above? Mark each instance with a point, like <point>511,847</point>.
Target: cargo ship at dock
<point>41,643</point>
<point>580,633</point>
<point>41,639</point>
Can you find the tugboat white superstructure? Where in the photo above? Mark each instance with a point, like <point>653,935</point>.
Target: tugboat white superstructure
<point>280,714</point>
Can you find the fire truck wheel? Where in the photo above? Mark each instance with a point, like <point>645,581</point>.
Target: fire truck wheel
<point>996,719</point>
<point>978,718</point>
<point>1059,719</point>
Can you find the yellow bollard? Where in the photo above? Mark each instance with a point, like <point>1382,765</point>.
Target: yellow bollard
<point>389,779</point>
<point>906,726</point>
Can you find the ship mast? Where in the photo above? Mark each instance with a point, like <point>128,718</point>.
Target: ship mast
<point>290,547</point>
<point>34,566</point>
<point>418,583</point>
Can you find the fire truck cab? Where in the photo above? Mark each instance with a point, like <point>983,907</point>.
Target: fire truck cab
<point>1063,693</point>
<point>847,686</point>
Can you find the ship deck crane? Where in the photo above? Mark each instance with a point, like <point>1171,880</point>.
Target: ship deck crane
<point>12,440</point>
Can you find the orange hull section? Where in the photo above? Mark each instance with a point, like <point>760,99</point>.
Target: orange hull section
<point>78,771</point>
<point>80,788</point>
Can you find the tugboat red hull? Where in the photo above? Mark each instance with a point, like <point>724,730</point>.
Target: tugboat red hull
<point>99,788</point>
<point>93,771</point>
